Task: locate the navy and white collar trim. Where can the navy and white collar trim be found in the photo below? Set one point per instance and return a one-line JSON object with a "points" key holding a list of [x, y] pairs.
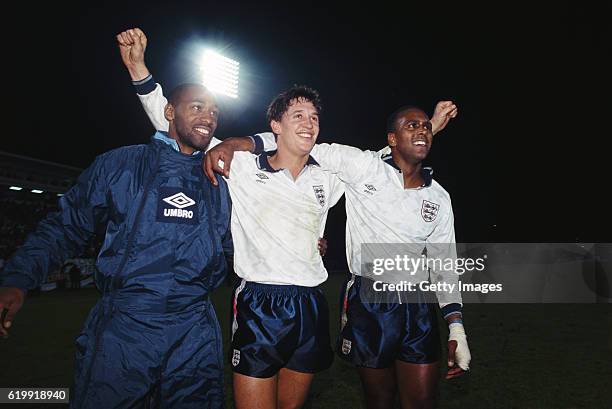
{"points": [[388, 159], [426, 171], [263, 162], [162, 136]]}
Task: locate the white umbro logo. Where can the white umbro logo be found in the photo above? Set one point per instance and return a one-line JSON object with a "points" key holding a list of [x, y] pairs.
{"points": [[179, 200], [182, 209]]}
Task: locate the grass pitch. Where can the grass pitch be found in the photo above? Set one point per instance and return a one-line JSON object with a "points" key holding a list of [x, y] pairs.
{"points": [[556, 356]]}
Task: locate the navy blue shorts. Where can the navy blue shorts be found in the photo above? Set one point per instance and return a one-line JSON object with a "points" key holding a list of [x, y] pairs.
{"points": [[279, 326], [375, 334]]}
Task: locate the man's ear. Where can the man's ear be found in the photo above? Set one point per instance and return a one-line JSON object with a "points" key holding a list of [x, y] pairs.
{"points": [[169, 112], [391, 141], [276, 127]]}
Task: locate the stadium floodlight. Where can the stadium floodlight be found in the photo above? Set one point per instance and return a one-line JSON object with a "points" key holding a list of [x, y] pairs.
{"points": [[220, 74], [60, 194], [15, 188], [36, 191]]}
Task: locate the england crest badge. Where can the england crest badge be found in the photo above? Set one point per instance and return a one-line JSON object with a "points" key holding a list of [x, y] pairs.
{"points": [[346, 346], [236, 357], [320, 194], [429, 210]]}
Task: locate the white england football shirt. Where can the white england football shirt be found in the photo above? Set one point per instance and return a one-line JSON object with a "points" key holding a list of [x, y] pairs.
{"points": [[276, 220], [380, 210]]}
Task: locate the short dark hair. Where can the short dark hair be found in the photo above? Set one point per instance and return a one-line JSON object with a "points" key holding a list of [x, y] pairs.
{"points": [[280, 104], [392, 119], [177, 92]]}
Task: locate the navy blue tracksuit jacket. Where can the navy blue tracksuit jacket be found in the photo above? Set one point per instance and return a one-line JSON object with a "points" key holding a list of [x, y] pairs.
{"points": [[153, 339]]}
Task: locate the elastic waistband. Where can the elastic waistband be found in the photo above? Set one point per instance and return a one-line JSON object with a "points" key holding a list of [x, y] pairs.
{"points": [[133, 304], [369, 281], [280, 289]]}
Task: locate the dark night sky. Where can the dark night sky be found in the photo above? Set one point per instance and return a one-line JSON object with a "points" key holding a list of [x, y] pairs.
{"points": [[526, 152]]}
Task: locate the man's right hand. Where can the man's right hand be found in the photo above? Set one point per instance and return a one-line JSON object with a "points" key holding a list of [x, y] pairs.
{"points": [[132, 46], [224, 152], [11, 300]]}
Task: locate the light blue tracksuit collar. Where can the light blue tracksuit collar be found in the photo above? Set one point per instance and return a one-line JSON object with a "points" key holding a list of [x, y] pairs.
{"points": [[163, 136]]}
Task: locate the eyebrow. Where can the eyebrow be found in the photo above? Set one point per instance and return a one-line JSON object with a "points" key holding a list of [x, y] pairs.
{"points": [[410, 121], [303, 110], [201, 101]]}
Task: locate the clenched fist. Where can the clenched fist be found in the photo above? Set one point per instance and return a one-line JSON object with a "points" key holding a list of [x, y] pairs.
{"points": [[132, 46]]}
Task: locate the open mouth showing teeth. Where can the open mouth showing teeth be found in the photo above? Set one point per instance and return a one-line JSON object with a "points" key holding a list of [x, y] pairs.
{"points": [[419, 143], [203, 131], [305, 135]]}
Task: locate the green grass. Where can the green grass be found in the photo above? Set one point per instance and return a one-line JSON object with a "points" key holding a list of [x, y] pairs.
{"points": [[556, 356]]}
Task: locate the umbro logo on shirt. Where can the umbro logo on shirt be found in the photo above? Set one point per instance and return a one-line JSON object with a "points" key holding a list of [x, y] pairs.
{"points": [[262, 177], [370, 189], [175, 206]]}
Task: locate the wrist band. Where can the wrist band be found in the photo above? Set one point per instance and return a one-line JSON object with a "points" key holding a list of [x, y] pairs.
{"points": [[142, 81]]}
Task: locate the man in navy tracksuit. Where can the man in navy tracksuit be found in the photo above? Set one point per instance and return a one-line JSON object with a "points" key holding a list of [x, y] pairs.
{"points": [[152, 340]]}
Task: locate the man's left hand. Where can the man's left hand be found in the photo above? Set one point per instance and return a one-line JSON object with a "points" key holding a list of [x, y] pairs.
{"points": [[444, 112], [459, 356]]}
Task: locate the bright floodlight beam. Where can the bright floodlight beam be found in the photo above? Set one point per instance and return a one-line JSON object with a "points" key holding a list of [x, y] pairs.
{"points": [[220, 74]]}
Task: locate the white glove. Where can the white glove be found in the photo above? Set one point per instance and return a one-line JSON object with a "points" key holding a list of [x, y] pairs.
{"points": [[456, 332]]}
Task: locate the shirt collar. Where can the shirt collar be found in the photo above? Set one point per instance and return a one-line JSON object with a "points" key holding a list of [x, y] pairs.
{"points": [[426, 171], [163, 137], [263, 162]]}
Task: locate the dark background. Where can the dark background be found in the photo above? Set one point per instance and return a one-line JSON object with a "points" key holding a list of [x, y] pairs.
{"points": [[525, 161], [528, 153]]}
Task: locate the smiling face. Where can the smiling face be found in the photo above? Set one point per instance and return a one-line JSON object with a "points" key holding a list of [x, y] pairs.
{"points": [[192, 113], [412, 135], [298, 128]]}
